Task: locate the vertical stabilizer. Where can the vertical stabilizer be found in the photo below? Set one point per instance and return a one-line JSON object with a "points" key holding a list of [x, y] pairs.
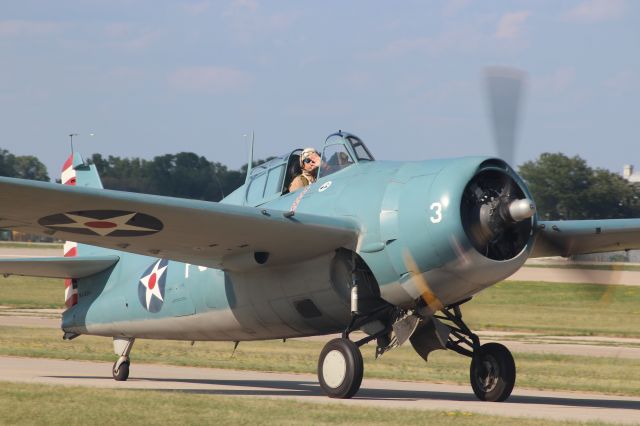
{"points": [[78, 173]]}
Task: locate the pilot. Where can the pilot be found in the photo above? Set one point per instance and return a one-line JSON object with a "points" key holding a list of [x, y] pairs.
{"points": [[309, 163]]}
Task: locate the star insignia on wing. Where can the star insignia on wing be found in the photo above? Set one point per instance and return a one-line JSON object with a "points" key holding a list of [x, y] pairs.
{"points": [[105, 223], [103, 227]]}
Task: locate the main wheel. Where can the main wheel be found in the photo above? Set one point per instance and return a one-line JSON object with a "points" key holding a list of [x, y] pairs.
{"points": [[340, 368], [122, 373], [493, 373]]}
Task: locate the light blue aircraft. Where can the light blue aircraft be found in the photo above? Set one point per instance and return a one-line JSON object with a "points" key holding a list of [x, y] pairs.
{"points": [[389, 248]]}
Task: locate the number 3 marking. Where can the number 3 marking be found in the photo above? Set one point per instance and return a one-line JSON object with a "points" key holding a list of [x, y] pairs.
{"points": [[437, 207]]}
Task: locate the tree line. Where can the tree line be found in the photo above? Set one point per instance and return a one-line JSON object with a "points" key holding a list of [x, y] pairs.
{"points": [[562, 187], [568, 188], [22, 166], [184, 175]]}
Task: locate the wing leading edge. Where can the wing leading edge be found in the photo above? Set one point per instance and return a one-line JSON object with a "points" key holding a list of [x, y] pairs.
{"points": [[191, 231], [569, 237]]}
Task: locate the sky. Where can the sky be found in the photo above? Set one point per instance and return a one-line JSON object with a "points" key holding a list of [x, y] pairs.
{"points": [[140, 78]]}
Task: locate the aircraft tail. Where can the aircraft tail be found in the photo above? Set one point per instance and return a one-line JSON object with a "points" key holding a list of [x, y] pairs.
{"points": [[76, 172]]}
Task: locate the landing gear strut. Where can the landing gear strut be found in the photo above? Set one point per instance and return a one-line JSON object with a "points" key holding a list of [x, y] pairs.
{"points": [[340, 367], [493, 371]]}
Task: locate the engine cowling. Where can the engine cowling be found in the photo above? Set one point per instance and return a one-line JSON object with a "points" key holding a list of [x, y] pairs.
{"points": [[464, 226]]}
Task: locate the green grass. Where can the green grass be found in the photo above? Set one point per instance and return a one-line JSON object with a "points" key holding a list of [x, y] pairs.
{"points": [[557, 308], [557, 372], [30, 292], [56, 405]]}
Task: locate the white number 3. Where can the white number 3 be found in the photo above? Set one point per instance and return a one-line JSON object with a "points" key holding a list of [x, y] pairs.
{"points": [[437, 209]]}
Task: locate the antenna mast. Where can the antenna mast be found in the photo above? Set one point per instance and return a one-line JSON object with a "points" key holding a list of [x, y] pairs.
{"points": [[71, 135], [250, 163]]}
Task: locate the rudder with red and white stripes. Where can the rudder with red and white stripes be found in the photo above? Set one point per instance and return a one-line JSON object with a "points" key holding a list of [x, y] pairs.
{"points": [[75, 172]]}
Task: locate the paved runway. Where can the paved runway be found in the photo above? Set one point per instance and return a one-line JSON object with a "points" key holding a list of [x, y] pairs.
{"points": [[575, 275], [304, 387]]}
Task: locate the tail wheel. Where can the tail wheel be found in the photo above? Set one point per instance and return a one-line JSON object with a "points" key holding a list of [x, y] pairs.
{"points": [[121, 373], [493, 373], [340, 368]]}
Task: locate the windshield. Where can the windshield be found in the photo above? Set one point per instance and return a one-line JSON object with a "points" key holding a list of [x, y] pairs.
{"points": [[361, 151], [334, 158]]}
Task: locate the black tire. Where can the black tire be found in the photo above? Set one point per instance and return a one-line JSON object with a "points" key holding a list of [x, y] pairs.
{"points": [[335, 381], [493, 373], [122, 374]]}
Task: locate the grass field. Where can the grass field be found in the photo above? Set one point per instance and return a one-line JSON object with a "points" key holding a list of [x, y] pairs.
{"points": [[30, 292], [557, 372], [22, 404], [557, 308]]}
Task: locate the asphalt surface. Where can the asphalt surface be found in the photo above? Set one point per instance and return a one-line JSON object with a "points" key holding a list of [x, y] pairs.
{"points": [[37, 251], [304, 387], [576, 275]]}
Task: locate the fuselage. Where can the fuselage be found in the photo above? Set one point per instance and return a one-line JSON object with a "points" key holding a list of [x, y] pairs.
{"points": [[408, 213]]}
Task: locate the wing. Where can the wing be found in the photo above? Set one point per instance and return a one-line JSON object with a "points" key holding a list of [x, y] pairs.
{"points": [[191, 231], [57, 267], [568, 237]]}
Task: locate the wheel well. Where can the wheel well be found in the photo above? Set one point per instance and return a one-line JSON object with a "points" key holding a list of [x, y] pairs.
{"points": [[348, 265]]}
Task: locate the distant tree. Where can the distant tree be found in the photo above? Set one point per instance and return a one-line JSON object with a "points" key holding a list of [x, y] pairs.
{"points": [[567, 188], [123, 174], [611, 196], [24, 167], [29, 167], [186, 175], [7, 161]]}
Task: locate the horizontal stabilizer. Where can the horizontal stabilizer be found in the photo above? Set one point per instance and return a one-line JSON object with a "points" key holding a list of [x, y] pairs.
{"points": [[57, 267]]}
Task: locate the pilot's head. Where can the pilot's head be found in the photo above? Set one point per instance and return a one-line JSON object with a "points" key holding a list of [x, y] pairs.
{"points": [[309, 159]]}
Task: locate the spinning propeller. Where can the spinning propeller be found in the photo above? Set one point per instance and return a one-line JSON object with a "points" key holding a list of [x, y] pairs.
{"points": [[505, 87], [500, 207], [495, 211]]}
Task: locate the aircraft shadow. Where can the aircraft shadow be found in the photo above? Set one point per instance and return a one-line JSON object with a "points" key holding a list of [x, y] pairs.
{"points": [[312, 388]]}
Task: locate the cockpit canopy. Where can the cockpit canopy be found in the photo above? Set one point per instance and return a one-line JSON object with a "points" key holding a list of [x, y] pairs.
{"points": [[271, 179]]}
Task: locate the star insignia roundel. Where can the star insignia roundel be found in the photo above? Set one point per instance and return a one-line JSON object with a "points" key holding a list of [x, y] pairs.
{"points": [[103, 223], [151, 285]]}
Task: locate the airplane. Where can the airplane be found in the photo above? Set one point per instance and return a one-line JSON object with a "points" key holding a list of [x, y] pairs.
{"points": [[393, 249]]}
